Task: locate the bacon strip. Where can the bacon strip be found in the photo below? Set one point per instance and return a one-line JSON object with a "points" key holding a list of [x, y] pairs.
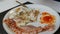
{"points": [[29, 29]]}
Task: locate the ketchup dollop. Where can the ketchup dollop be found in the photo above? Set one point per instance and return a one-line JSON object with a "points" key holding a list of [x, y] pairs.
{"points": [[47, 18]]}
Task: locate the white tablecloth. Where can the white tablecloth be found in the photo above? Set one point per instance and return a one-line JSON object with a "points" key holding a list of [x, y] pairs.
{"points": [[6, 4]]}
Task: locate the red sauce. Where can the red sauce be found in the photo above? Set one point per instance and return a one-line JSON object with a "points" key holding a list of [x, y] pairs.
{"points": [[47, 19]]}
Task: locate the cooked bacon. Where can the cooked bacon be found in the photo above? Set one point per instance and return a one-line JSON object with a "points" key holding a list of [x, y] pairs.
{"points": [[12, 24], [39, 29], [49, 27], [28, 29]]}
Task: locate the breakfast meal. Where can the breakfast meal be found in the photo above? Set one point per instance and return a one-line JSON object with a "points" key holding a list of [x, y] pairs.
{"points": [[23, 21]]}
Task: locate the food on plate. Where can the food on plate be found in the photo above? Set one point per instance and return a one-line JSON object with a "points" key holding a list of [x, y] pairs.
{"points": [[28, 29], [49, 28], [45, 13], [18, 20], [24, 29], [47, 18], [23, 15]]}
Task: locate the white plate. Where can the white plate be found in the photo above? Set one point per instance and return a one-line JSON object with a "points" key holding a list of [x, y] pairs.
{"points": [[42, 8]]}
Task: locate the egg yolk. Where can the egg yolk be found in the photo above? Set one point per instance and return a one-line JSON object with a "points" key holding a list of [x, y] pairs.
{"points": [[47, 19]]}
